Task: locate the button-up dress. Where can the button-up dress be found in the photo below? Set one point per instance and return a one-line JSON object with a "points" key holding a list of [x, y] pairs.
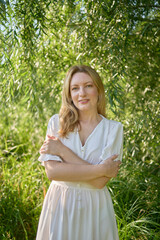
{"points": [[76, 210]]}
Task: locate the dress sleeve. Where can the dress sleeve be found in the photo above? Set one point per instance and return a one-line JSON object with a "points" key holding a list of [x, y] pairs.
{"points": [[114, 142], [52, 130]]}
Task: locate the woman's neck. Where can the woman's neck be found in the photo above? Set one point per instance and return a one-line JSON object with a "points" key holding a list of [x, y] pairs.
{"points": [[88, 117]]}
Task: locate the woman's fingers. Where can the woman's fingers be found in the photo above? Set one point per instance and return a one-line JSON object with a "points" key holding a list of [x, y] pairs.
{"points": [[51, 137], [46, 147], [118, 163], [113, 157], [42, 150], [112, 166], [51, 145]]}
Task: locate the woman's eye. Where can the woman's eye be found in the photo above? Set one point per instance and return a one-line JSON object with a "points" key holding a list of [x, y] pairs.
{"points": [[89, 85], [75, 88]]}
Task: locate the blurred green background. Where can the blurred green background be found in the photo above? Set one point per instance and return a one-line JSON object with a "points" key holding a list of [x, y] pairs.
{"points": [[39, 41]]}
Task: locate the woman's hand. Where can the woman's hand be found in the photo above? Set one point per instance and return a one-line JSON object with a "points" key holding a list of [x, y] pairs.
{"points": [[51, 146], [111, 167]]}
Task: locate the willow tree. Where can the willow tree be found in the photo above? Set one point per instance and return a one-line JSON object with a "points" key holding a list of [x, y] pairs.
{"points": [[41, 39]]}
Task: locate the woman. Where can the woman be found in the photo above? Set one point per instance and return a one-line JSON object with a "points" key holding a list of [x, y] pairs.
{"points": [[81, 153]]}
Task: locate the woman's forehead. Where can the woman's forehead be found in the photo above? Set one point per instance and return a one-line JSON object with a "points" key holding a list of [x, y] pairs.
{"points": [[80, 78]]}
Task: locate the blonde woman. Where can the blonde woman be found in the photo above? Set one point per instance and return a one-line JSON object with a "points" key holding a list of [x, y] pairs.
{"points": [[81, 153]]}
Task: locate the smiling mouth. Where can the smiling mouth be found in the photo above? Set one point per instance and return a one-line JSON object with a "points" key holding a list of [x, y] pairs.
{"points": [[83, 101]]}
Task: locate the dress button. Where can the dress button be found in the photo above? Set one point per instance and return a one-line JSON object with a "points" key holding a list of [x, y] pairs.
{"points": [[82, 149]]}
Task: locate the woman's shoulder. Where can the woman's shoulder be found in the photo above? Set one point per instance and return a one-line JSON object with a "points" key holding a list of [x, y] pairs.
{"points": [[54, 118], [111, 122], [54, 121], [113, 127]]}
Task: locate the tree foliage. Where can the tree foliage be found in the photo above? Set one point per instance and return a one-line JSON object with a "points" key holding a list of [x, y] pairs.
{"points": [[40, 40]]}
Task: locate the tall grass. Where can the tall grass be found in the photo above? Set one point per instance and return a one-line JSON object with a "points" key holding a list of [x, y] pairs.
{"points": [[21, 177], [24, 184]]}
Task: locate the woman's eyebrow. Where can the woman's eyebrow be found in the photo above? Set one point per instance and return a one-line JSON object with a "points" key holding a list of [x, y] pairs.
{"points": [[78, 84], [88, 82]]}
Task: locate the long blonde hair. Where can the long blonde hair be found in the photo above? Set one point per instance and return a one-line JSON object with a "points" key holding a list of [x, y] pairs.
{"points": [[68, 115]]}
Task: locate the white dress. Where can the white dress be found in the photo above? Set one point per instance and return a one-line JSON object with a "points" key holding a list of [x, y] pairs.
{"points": [[75, 210]]}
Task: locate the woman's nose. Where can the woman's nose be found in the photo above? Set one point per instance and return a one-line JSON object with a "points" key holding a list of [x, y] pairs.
{"points": [[82, 91]]}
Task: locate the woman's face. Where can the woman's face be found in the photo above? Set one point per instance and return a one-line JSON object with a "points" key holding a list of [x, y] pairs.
{"points": [[83, 91]]}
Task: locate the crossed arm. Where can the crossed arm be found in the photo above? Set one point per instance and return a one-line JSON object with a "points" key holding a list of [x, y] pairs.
{"points": [[75, 169]]}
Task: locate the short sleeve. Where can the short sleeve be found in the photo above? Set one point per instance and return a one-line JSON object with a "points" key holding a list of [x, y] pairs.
{"points": [[52, 130], [114, 142]]}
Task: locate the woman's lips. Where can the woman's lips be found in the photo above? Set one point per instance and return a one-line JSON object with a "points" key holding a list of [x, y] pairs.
{"points": [[83, 101]]}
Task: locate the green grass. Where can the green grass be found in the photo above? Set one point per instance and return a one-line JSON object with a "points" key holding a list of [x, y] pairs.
{"points": [[24, 183]]}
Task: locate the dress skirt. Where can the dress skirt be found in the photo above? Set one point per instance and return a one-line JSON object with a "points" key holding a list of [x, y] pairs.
{"points": [[76, 211]]}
